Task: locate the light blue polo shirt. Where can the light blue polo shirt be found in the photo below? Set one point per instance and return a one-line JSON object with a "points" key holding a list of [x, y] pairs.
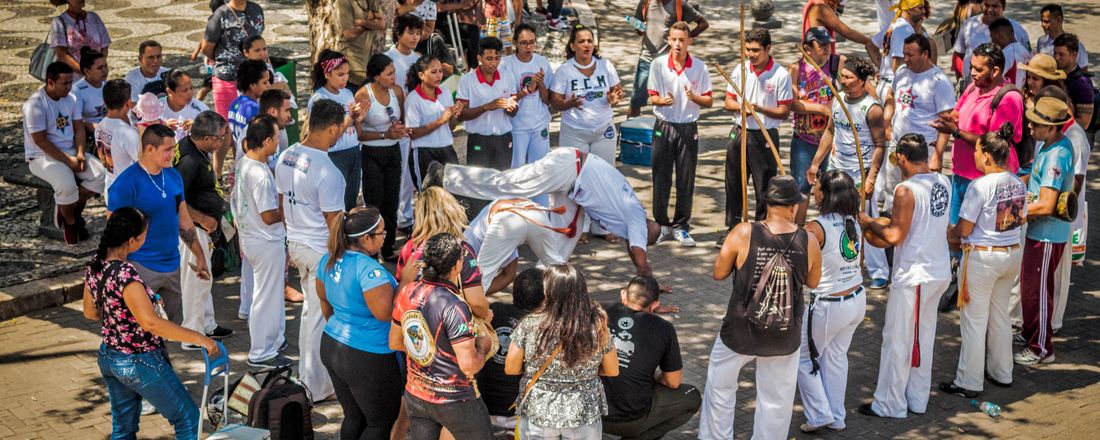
{"points": [[352, 323]]}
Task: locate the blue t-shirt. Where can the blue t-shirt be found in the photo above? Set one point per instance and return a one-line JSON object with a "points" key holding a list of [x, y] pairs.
{"points": [[1052, 168], [352, 323], [137, 189], [241, 110]]}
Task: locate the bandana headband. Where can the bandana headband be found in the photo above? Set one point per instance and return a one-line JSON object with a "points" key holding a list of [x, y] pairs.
{"points": [[327, 66]]}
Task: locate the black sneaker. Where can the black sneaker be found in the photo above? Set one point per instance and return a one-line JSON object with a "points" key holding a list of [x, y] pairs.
{"points": [[82, 232], [867, 410], [277, 361], [283, 347], [433, 176], [220, 333], [996, 382], [951, 388]]}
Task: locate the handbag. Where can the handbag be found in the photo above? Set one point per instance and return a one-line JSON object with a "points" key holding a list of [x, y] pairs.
{"points": [[531, 384], [480, 325], [43, 55]]}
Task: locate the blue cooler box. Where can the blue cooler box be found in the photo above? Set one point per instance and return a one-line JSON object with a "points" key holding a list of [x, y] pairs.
{"points": [[636, 141]]}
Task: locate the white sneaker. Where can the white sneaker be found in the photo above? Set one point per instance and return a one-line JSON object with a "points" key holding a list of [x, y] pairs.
{"points": [[683, 237], [1029, 358], [147, 408], [666, 234], [557, 25]]}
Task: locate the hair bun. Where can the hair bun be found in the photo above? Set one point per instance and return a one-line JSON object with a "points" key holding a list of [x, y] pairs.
{"points": [[1006, 131]]}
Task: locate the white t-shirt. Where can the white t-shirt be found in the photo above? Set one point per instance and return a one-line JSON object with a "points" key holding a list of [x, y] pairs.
{"points": [[1081, 151], [118, 146], [665, 79], [997, 205], [309, 183], [186, 113], [41, 113], [474, 88], [974, 33], [1015, 56], [610, 201], [350, 139], [421, 111], [595, 113], [770, 88], [883, 13], [401, 64], [533, 114], [899, 31], [138, 81], [1046, 45], [254, 192], [919, 98], [90, 101], [843, 156]]}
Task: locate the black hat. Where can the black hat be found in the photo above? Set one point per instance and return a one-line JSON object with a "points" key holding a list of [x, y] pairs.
{"points": [[783, 191]]}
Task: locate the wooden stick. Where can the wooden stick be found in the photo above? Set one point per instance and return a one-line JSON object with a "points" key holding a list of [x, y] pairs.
{"points": [[851, 122], [744, 139], [756, 117]]}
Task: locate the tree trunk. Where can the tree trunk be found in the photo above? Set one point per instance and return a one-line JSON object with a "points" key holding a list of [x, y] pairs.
{"points": [[323, 31]]}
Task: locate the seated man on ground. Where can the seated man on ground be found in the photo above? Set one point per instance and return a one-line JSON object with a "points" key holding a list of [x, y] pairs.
{"points": [[499, 390], [646, 399]]}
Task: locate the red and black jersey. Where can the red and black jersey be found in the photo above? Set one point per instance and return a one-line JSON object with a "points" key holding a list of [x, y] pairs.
{"points": [[432, 318], [471, 273]]}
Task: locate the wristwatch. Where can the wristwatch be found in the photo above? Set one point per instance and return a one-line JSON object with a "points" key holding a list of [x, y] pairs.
{"points": [[957, 134]]}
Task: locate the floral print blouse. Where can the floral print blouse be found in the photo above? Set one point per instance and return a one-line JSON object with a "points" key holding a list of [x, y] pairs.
{"points": [[563, 397], [121, 331]]}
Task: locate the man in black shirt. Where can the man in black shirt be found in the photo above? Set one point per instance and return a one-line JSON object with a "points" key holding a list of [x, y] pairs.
{"points": [[205, 204], [499, 390], [644, 404]]}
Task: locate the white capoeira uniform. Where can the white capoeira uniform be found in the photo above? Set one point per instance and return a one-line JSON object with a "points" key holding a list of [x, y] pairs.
{"points": [[920, 278], [830, 323], [601, 190], [502, 226]]}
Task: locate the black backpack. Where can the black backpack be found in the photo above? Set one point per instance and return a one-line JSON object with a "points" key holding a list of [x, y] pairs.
{"points": [[771, 308], [282, 406]]}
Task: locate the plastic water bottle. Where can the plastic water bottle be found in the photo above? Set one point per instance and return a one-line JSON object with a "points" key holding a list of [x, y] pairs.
{"points": [[636, 23], [989, 408]]}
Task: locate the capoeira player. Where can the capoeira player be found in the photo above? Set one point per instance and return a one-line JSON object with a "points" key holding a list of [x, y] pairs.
{"points": [[567, 174], [918, 230]]}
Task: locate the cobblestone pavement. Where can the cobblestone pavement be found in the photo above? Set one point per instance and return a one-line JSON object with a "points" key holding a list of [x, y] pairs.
{"points": [[50, 386]]}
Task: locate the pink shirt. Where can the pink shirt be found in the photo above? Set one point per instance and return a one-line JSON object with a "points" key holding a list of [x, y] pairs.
{"points": [[976, 116]]}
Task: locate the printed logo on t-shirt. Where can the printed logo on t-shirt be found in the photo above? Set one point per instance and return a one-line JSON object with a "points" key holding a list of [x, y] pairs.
{"points": [[940, 197], [609, 133], [297, 161], [103, 138], [586, 86], [504, 334], [849, 249], [62, 121], [1011, 199], [906, 98], [418, 340], [624, 343]]}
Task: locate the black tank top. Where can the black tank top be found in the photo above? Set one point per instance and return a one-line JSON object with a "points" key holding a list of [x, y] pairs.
{"points": [[737, 333]]}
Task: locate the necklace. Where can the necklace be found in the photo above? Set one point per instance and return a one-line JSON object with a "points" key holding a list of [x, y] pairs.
{"points": [[589, 66], [163, 194]]}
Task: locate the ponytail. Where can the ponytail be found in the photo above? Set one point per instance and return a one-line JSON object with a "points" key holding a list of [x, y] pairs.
{"points": [[348, 228], [125, 224], [850, 230], [412, 78]]}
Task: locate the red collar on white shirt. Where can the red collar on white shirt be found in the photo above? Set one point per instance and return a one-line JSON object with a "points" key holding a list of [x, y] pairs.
{"points": [[420, 91], [481, 77], [672, 66], [771, 63]]}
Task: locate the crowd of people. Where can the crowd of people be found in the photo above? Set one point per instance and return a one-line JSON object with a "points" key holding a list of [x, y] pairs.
{"points": [[438, 347]]}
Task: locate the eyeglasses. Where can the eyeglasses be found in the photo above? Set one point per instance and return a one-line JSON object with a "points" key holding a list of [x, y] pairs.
{"points": [[375, 234], [526, 42]]}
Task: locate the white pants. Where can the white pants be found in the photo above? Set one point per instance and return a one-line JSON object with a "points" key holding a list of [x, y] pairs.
{"points": [[405, 199], [529, 146], [508, 230], [901, 385], [311, 371], [198, 303], [1062, 274], [834, 323], [532, 431], [63, 180], [266, 314], [1015, 312], [985, 327], [874, 258], [555, 173], [776, 377], [601, 142]]}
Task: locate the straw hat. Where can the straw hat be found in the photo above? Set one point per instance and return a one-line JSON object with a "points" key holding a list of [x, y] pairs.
{"points": [[1043, 65], [1049, 111]]}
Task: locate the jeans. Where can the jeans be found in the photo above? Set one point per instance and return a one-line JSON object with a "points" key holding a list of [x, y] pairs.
{"points": [[382, 186], [640, 94], [802, 155], [368, 386], [351, 167], [133, 377], [466, 419]]}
